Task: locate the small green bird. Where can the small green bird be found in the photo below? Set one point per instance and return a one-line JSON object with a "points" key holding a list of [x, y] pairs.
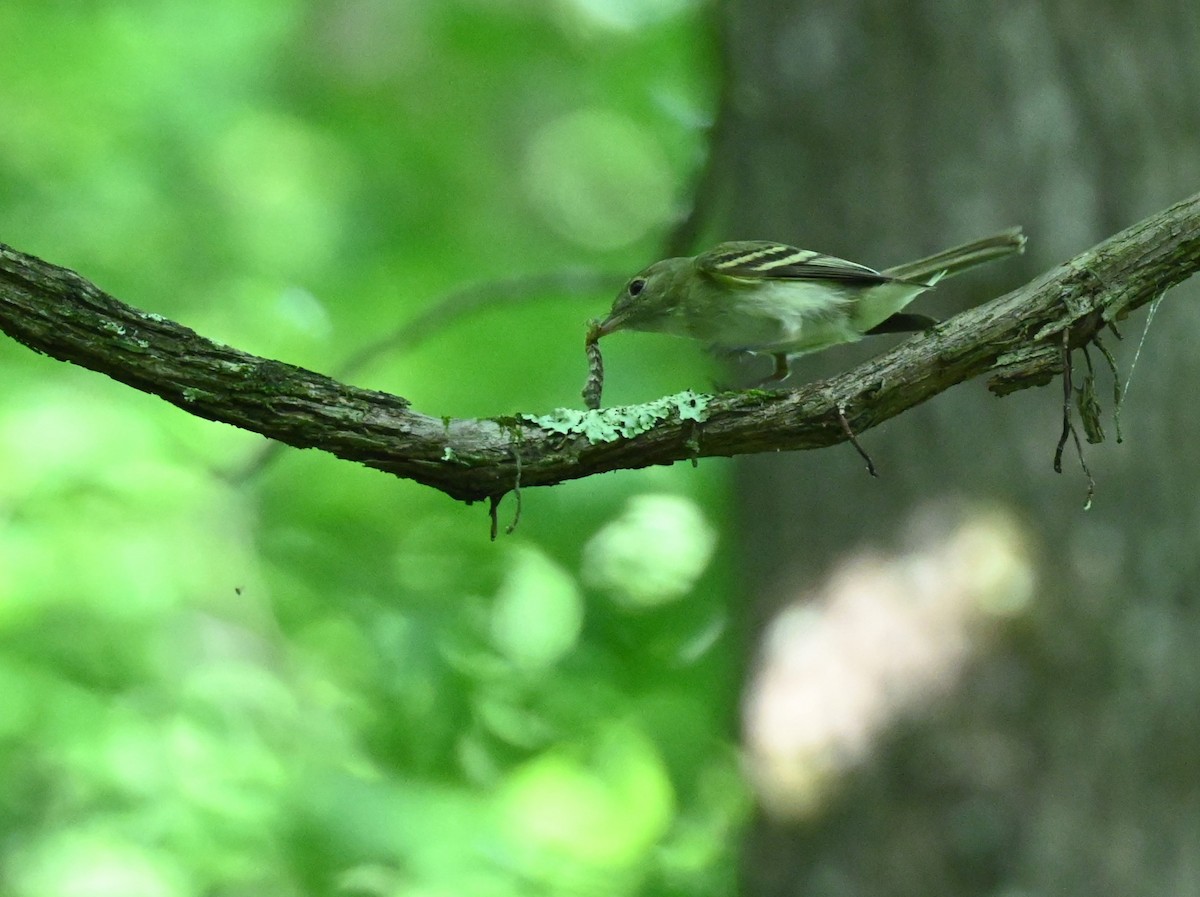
{"points": [[774, 299]]}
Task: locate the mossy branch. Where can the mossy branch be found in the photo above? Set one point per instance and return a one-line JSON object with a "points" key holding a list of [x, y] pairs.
{"points": [[1016, 339]]}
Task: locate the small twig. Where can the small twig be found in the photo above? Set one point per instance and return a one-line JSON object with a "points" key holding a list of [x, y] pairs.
{"points": [[1118, 391], [693, 443], [1154, 303], [849, 431], [1088, 404], [1069, 425], [473, 299], [493, 504], [1087, 359], [1068, 391], [1091, 481], [512, 527]]}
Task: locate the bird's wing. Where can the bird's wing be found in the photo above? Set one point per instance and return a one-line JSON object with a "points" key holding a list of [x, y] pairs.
{"points": [[758, 259]]}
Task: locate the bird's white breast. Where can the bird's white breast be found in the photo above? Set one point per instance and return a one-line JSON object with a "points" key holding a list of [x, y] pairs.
{"points": [[785, 316]]}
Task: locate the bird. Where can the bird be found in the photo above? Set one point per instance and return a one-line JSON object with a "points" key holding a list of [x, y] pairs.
{"points": [[774, 299]]}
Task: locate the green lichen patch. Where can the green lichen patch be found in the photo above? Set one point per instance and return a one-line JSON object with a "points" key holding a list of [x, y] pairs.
{"points": [[623, 421]]}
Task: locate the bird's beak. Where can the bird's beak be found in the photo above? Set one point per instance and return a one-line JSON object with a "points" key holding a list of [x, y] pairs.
{"points": [[609, 325]]}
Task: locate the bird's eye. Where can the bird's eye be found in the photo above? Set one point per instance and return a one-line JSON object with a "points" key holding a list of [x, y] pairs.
{"points": [[636, 286]]}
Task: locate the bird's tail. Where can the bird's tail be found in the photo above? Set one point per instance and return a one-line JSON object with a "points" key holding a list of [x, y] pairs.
{"points": [[951, 261]]}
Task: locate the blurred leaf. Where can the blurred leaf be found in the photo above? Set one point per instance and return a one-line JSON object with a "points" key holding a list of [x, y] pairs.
{"points": [[606, 806], [652, 554], [538, 611]]}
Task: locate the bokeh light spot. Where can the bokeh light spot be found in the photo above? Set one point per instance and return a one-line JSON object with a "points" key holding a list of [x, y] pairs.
{"points": [[652, 554], [598, 179]]}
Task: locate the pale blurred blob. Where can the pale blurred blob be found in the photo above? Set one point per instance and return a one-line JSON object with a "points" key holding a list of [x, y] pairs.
{"points": [[370, 41], [652, 554], [99, 517], [598, 179], [624, 15], [97, 864], [605, 803], [303, 312], [538, 611], [881, 639], [283, 185]]}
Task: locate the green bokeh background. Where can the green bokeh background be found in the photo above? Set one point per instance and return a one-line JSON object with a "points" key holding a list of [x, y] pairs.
{"points": [[316, 679]]}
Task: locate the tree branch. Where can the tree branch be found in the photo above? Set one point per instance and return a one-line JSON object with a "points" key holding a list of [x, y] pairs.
{"points": [[1016, 338], [458, 304]]}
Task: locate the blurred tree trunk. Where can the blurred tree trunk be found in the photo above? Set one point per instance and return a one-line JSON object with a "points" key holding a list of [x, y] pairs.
{"points": [[880, 130]]}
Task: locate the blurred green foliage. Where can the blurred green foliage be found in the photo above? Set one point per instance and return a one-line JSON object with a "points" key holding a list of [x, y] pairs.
{"points": [[320, 680]]}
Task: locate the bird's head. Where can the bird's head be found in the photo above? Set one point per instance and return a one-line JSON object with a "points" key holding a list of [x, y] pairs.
{"points": [[650, 300]]}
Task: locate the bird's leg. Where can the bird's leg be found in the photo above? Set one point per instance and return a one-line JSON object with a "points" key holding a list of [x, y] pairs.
{"points": [[780, 372], [778, 375]]}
